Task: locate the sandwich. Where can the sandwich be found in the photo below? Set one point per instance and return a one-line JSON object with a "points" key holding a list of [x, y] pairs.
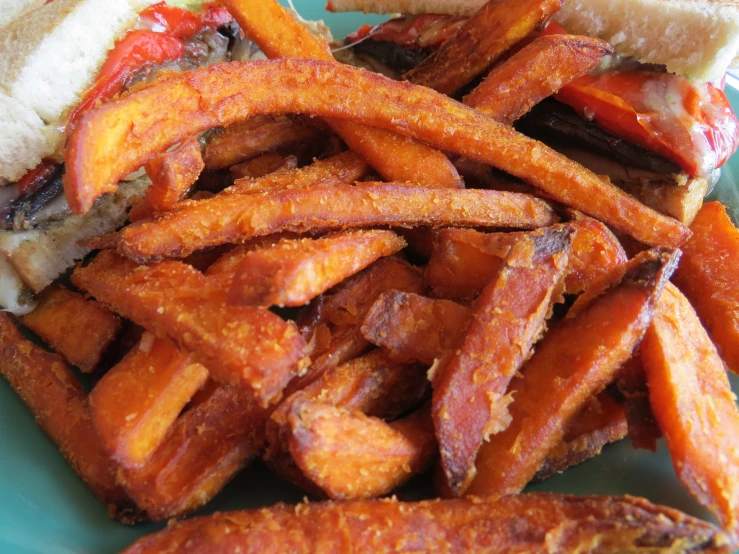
{"points": [[653, 117], [58, 59]]}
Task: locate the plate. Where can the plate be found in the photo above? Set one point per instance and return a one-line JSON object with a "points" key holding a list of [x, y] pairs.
{"points": [[45, 508]]}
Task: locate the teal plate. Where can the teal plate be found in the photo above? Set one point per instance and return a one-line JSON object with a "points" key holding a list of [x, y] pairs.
{"points": [[45, 508]]}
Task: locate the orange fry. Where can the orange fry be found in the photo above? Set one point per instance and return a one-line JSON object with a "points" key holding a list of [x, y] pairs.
{"points": [[241, 345], [534, 73], [173, 173], [413, 328], [692, 400], [470, 401], [137, 401], [294, 271], [280, 35], [601, 422], [81, 344], [521, 523], [247, 139], [240, 217], [708, 276], [207, 446], [60, 407], [94, 165], [351, 456], [481, 41], [578, 358], [342, 169], [263, 165], [371, 384]]}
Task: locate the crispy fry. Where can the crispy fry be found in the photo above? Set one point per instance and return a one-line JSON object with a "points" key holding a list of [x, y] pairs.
{"points": [[294, 271], [131, 136], [371, 384], [60, 407], [207, 446], [351, 456], [246, 346], [481, 41], [595, 251], [536, 523], [601, 422], [137, 401], [173, 173], [692, 400], [707, 275], [240, 217], [280, 35], [470, 401], [534, 73], [576, 359], [81, 344], [263, 165], [413, 328], [464, 261], [247, 139]]}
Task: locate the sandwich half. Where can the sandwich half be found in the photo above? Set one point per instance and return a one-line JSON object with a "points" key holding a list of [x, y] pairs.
{"points": [[56, 61]]}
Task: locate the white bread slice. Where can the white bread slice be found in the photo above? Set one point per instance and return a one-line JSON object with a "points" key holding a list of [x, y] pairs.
{"points": [[24, 138], [13, 9], [695, 38], [51, 56], [39, 256]]}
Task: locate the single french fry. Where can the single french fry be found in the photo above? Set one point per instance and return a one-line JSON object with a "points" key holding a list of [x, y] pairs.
{"points": [[94, 165], [601, 422], [413, 328], [350, 456], [247, 139], [578, 358], [173, 173], [240, 217], [342, 169], [371, 384], [280, 35], [534, 73], [245, 346], [294, 271], [137, 401], [331, 324], [60, 407], [480, 42], [263, 165], [692, 400], [707, 276], [595, 252], [81, 344], [469, 401], [464, 260], [206, 447], [522, 523]]}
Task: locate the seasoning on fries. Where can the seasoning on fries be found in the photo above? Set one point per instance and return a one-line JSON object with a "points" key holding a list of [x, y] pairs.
{"points": [[577, 359], [526, 522], [294, 271], [242, 345]]}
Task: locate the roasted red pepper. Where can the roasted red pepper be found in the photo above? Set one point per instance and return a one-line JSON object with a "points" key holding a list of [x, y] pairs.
{"points": [[175, 22], [37, 177]]}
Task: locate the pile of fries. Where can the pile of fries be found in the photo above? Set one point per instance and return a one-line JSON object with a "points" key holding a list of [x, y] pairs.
{"points": [[326, 294]]}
